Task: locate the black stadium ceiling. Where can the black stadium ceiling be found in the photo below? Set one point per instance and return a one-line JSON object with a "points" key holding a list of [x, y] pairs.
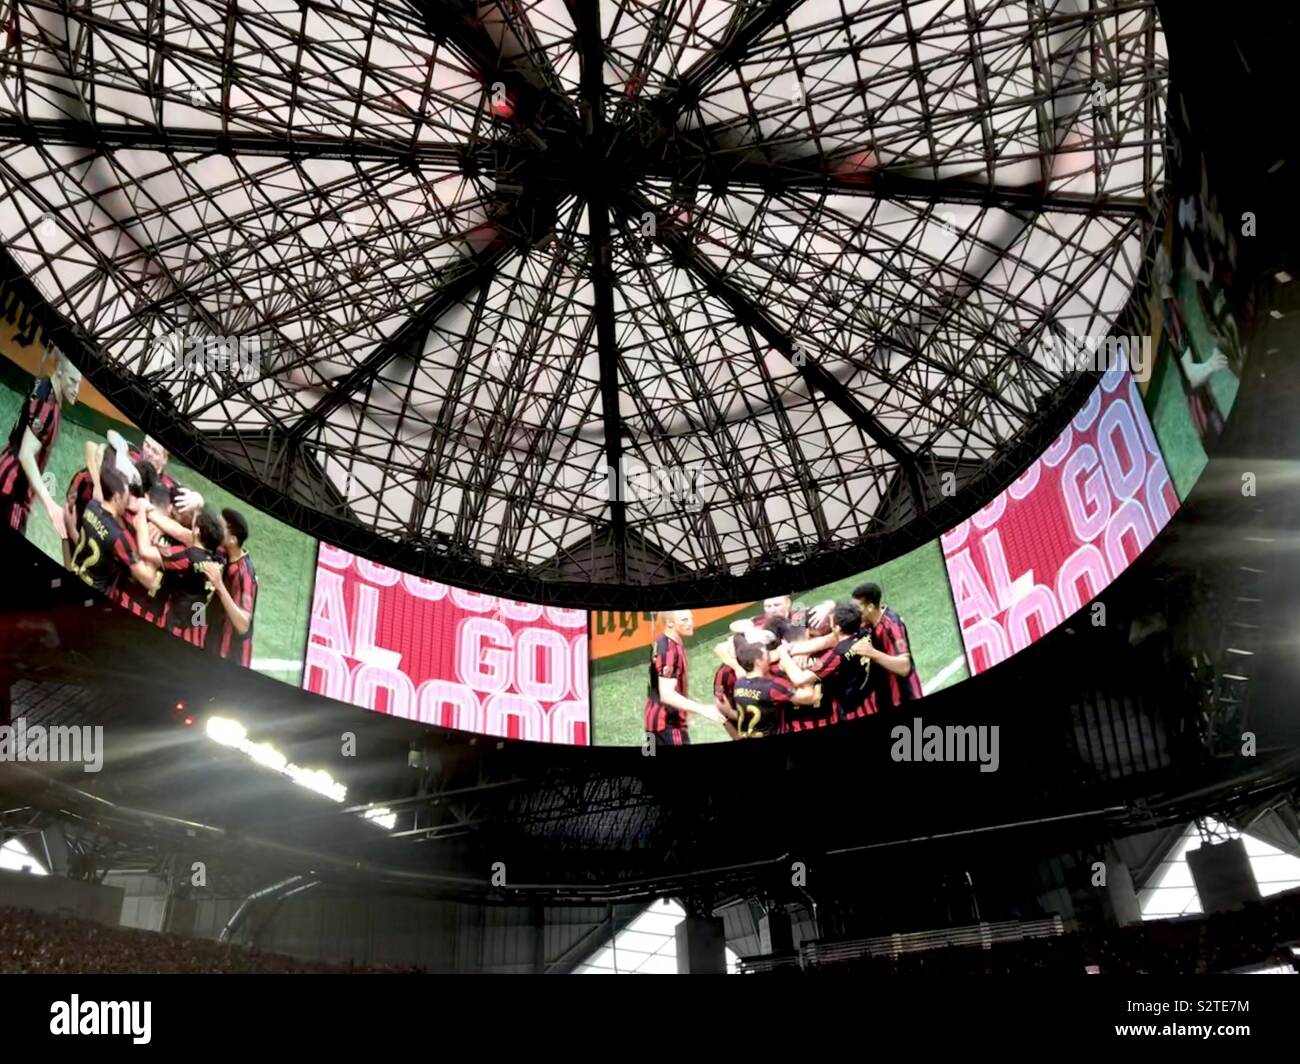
{"points": [[785, 265]]}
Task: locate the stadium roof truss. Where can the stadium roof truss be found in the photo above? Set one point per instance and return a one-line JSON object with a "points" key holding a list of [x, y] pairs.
{"points": [[418, 275]]}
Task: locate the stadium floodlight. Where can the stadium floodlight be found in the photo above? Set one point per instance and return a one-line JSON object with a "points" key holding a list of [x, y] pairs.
{"points": [[268, 755], [381, 815], [318, 780], [225, 731], [231, 733]]}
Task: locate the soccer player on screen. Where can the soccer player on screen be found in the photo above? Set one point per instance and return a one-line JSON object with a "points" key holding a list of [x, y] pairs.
{"points": [[762, 699], [178, 522], [724, 684], [105, 557], [185, 583], [24, 458], [894, 679], [156, 455], [148, 603], [235, 584], [81, 488], [844, 670], [667, 702], [776, 607]]}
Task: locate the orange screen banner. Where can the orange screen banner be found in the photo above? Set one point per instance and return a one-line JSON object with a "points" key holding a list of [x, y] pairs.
{"points": [[616, 631], [22, 341]]}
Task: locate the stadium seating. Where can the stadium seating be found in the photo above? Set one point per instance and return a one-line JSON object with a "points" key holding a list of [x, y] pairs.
{"points": [[33, 942]]}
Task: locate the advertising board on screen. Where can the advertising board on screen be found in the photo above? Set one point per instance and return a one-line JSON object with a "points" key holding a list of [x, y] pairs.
{"points": [[1055, 538], [415, 648]]}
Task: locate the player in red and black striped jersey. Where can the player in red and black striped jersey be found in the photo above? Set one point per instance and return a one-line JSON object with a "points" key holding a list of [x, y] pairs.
{"points": [[156, 455], [148, 603], [24, 457], [81, 488], [230, 634], [667, 703], [763, 700], [843, 669], [724, 688], [105, 557], [777, 637], [777, 607], [893, 679], [185, 583]]}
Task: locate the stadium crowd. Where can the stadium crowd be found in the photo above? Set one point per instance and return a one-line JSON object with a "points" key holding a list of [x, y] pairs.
{"points": [[34, 942]]}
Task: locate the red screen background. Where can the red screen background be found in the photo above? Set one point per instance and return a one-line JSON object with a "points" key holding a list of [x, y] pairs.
{"points": [[1073, 522], [418, 649]]}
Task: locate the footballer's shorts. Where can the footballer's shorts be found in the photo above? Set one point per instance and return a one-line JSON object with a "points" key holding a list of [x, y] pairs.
{"points": [[196, 637], [673, 737], [809, 723]]}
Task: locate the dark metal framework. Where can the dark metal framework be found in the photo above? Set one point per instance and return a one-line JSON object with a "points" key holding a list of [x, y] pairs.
{"points": [[519, 292]]}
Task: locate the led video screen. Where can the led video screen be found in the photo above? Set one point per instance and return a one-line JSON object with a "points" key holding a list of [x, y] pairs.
{"points": [[895, 640], [394, 643], [955, 607], [246, 602], [1196, 307], [363, 633], [1060, 533], [623, 644], [418, 649]]}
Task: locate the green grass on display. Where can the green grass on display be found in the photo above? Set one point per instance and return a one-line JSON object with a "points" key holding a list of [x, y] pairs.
{"points": [[1224, 384], [1180, 443], [1167, 404], [915, 585], [285, 559]]}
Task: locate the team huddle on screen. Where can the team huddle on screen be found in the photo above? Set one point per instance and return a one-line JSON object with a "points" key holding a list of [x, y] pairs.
{"points": [[130, 531], [788, 670]]}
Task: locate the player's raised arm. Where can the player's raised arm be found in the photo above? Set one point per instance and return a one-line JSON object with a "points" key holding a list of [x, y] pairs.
{"points": [[797, 676], [726, 653], [144, 542], [240, 619], [898, 664], [173, 528], [144, 573], [93, 453], [815, 644], [807, 695]]}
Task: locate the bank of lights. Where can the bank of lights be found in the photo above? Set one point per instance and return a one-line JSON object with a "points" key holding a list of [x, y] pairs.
{"points": [[383, 816], [231, 733]]}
